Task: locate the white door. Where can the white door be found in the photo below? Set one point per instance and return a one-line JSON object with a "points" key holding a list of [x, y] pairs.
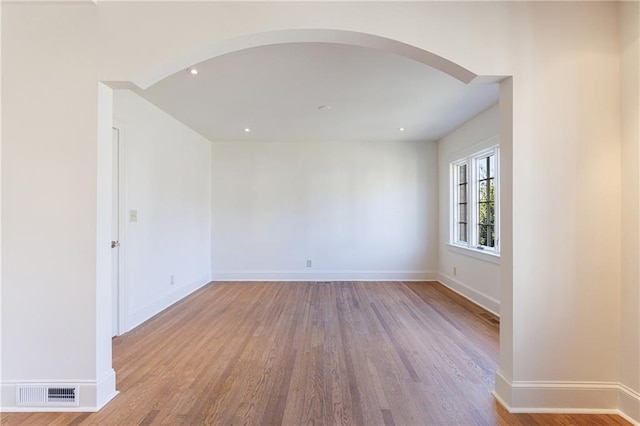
{"points": [[115, 236]]}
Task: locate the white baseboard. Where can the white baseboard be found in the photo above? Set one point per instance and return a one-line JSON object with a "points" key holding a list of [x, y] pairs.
{"points": [[323, 275], [93, 394], [483, 300], [629, 404], [502, 390], [565, 397], [106, 389], [141, 315]]}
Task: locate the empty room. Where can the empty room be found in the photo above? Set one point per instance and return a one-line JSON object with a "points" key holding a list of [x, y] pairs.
{"points": [[320, 212]]}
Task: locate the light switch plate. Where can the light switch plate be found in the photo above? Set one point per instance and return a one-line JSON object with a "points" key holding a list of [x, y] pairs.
{"points": [[133, 215]]}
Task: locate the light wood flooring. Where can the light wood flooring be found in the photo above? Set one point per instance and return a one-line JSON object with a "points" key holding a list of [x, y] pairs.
{"points": [[363, 353]]}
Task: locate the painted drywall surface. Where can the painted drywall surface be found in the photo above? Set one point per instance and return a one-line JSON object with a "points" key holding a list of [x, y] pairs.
{"points": [[475, 278], [564, 58], [566, 181], [105, 374], [504, 377], [49, 192], [168, 174], [630, 291], [355, 208], [1, 328]]}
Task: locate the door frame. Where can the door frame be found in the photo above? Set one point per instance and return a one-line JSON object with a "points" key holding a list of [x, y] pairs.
{"points": [[122, 191]]}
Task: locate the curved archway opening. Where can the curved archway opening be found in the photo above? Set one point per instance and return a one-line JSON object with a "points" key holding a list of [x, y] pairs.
{"points": [[220, 48], [223, 47]]}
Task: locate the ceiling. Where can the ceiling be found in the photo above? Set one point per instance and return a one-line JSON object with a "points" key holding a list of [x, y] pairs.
{"points": [[318, 92]]}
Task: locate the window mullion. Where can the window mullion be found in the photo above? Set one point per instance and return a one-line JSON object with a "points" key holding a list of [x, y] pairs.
{"points": [[473, 212]]}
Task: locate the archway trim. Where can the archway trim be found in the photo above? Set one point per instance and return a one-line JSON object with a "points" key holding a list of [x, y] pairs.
{"points": [[352, 38]]}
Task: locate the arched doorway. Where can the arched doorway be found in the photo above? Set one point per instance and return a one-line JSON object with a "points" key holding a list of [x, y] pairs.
{"points": [[218, 48]]}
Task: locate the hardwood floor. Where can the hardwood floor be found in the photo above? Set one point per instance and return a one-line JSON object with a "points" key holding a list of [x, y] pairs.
{"points": [[298, 353]]}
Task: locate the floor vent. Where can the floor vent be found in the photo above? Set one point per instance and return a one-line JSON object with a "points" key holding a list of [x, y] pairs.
{"points": [[47, 395], [324, 282]]}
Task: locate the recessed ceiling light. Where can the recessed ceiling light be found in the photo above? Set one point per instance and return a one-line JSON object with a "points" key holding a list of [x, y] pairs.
{"points": [[247, 130], [324, 107], [401, 129], [192, 71]]}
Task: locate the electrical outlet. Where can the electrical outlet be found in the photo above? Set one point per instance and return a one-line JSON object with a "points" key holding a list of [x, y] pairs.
{"points": [[309, 263], [172, 279], [455, 271]]}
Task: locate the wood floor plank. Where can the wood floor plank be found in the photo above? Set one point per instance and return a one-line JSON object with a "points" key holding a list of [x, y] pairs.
{"points": [[340, 353]]}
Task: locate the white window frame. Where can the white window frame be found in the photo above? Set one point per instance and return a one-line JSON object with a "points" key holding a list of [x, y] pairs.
{"points": [[472, 242], [455, 195]]}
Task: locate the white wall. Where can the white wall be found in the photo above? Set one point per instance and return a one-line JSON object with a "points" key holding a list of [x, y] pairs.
{"points": [[566, 151], [1, 318], [565, 61], [358, 210], [477, 277], [106, 377], [168, 180], [49, 219], [630, 291]]}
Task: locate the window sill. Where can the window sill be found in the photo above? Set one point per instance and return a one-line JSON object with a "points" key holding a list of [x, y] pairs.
{"points": [[478, 254]]}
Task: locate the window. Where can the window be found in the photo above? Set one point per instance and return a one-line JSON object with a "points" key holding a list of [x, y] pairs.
{"points": [[475, 196], [462, 207]]}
